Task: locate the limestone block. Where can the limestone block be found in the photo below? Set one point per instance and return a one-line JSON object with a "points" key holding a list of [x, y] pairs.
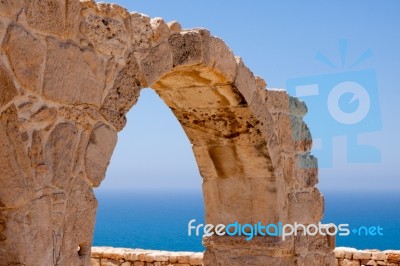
{"points": [[237, 251], [174, 26], [26, 55], [157, 63], [347, 262], [160, 29], [278, 101], [16, 241], [371, 263], [202, 97], [16, 186], [339, 254], [58, 17], [305, 170], [361, 255], [382, 263], [160, 256], [95, 262], [190, 76], [316, 259], [231, 206], [78, 231], [300, 133], [109, 262], [292, 132], [307, 244], [306, 207], [217, 55], [98, 153], [117, 119], [297, 107], [60, 153], [393, 257], [186, 48], [379, 256], [240, 198], [229, 161], [108, 35], [72, 75], [125, 92], [7, 87], [245, 81], [10, 8], [183, 257], [196, 259], [141, 31]]}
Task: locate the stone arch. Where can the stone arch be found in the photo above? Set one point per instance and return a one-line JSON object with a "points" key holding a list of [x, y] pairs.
{"points": [[71, 70]]}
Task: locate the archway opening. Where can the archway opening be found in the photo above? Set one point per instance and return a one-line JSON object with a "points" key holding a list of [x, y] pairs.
{"points": [[153, 186]]}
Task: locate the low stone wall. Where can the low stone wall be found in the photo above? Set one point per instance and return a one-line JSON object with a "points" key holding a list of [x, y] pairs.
{"points": [[108, 256], [354, 257]]}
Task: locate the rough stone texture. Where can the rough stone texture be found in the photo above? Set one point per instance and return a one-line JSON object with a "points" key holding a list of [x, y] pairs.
{"points": [[70, 71], [72, 75], [8, 90], [101, 145], [26, 56], [58, 17]]}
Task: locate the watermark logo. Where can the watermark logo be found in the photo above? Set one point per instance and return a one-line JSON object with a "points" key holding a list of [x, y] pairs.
{"points": [[344, 103], [280, 230]]}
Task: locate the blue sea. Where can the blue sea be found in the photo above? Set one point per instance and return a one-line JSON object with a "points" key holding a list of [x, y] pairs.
{"points": [[159, 219]]}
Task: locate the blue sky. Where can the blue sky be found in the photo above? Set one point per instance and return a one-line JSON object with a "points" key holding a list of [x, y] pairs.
{"points": [[279, 41]]}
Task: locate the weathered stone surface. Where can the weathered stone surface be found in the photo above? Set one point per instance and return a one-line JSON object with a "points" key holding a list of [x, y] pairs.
{"points": [[362, 255], [219, 126], [245, 81], [347, 262], [98, 153], [7, 87], [107, 34], [15, 175], [78, 234], [60, 154], [72, 75], [11, 7], [160, 30], [141, 31], [202, 97], [125, 92], [311, 201], [69, 73], [157, 63], [186, 48], [217, 55], [174, 26], [26, 55], [393, 257], [56, 17]]}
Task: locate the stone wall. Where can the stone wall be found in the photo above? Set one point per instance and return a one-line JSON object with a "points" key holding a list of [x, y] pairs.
{"points": [[108, 256], [354, 257]]}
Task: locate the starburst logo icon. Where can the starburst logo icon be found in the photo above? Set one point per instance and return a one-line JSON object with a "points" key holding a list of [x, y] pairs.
{"points": [[343, 103]]}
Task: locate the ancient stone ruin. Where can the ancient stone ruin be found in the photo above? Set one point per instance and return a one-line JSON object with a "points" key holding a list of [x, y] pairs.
{"points": [[69, 72]]}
